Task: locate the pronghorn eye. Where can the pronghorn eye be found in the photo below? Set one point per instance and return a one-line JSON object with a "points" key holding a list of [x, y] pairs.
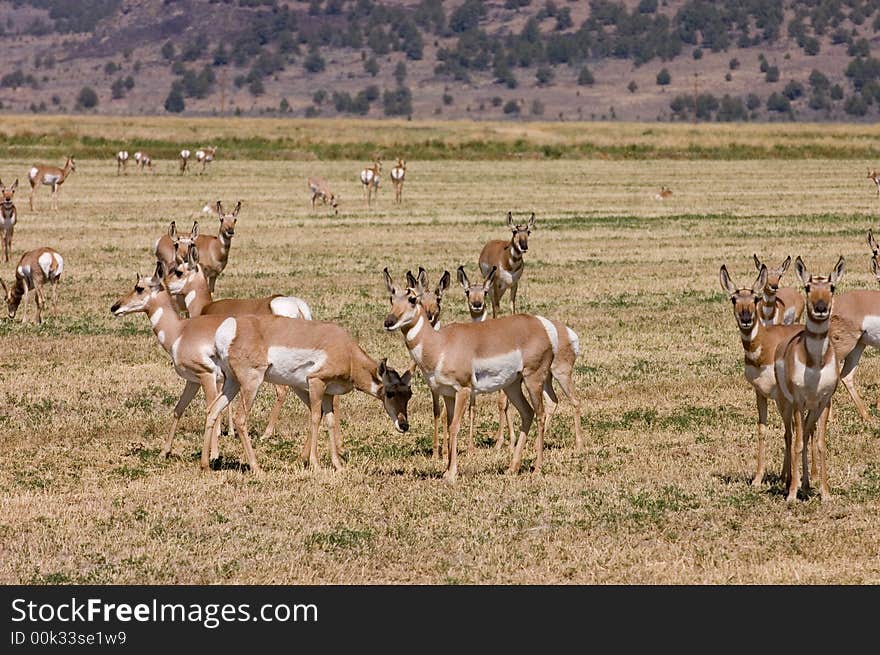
{"points": [[178, 273], [139, 289], [412, 300], [832, 288], [389, 394], [807, 288]]}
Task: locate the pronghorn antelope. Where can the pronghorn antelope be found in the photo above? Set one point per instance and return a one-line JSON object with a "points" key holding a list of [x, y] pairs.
{"points": [[664, 193], [205, 156], [50, 176], [320, 189], [183, 157], [121, 162], [779, 306], [508, 257], [190, 344], [8, 215], [398, 173], [760, 341], [143, 161], [35, 269], [319, 360], [186, 280], [465, 358], [169, 246], [370, 180], [214, 250], [807, 373], [874, 176]]}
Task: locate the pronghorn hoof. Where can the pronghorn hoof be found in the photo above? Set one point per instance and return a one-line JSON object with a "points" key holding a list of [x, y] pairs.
{"points": [[449, 477]]}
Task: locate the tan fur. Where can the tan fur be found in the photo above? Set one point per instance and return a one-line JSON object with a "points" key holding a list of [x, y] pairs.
{"points": [[205, 156], [664, 193], [321, 190], [507, 256], [183, 160], [398, 174], [143, 161], [8, 216], [874, 176], [40, 178], [122, 162], [370, 180], [29, 276], [779, 305], [214, 250]]}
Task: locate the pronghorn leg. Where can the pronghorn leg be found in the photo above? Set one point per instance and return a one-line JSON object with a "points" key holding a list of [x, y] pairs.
{"points": [[460, 404], [535, 387], [848, 377], [761, 402], [785, 414], [821, 426], [328, 405], [563, 376], [513, 288], [24, 303], [38, 301], [551, 402], [809, 447], [215, 435], [471, 403], [449, 402], [215, 409], [31, 197], [526, 414], [796, 450], [250, 385], [436, 409], [316, 396], [280, 397], [189, 392]]}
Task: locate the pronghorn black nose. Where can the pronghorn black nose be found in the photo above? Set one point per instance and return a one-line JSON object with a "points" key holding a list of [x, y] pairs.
{"points": [[390, 320], [114, 308], [404, 425], [821, 307]]}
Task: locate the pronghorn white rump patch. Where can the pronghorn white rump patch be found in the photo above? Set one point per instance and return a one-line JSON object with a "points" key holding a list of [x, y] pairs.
{"points": [[45, 261], [494, 373], [224, 336], [575, 341], [291, 307], [189, 298], [413, 332], [397, 173], [185, 154], [552, 334], [156, 316], [33, 172], [200, 154], [871, 330], [292, 366], [367, 176], [59, 264], [24, 271]]}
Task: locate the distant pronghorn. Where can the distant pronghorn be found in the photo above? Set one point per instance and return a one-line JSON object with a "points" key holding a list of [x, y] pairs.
{"points": [[779, 305], [143, 160], [35, 269], [8, 216], [874, 175], [205, 156], [184, 160], [507, 256], [370, 180], [320, 189], [121, 162], [397, 175], [50, 176], [664, 193]]}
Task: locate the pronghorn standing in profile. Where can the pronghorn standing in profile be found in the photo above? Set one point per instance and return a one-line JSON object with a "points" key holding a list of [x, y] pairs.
{"points": [[874, 176], [183, 158], [214, 250], [465, 358], [507, 256], [35, 269], [8, 215], [121, 162], [664, 193], [760, 341], [398, 173], [321, 190], [779, 305], [370, 180], [50, 176], [143, 161], [205, 156], [807, 373]]}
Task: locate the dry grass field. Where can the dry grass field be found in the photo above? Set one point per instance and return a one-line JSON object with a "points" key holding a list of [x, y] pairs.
{"points": [[659, 494]]}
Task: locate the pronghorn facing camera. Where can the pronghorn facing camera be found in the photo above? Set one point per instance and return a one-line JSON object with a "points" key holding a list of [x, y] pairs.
{"points": [[779, 305], [8, 215], [34, 270], [664, 193], [172, 245], [205, 156], [321, 190], [398, 173], [319, 360], [465, 358], [807, 373], [874, 176], [507, 256], [121, 162], [759, 341], [214, 250], [50, 176], [183, 158], [370, 180]]}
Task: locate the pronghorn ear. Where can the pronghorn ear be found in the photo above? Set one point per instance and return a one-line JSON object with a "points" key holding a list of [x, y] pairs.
{"points": [[382, 369], [219, 208], [531, 223], [757, 262], [406, 378], [463, 278], [423, 279], [761, 282], [193, 255], [726, 283], [800, 270], [389, 283], [237, 208], [411, 281], [442, 285], [875, 268], [15, 184], [194, 232], [159, 275], [489, 279], [785, 264], [172, 230], [838, 271], [509, 219], [872, 243]]}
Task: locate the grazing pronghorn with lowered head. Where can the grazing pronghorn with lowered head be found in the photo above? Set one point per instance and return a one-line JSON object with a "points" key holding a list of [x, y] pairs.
{"points": [[34, 270], [319, 360], [186, 280], [190, 344], [50, 176], [214, 250], [321, 190], [398, 173], [664, 193], [507, 256], [779, 305], [874, 176], [370, 180], [8, 215], [143, 161], [121, 162], [759, 341], [807, 373], [465, 358], [205, 156], [183, 158]]}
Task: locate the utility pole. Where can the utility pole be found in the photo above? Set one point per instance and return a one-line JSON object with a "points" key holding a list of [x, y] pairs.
{"points": [[696, 87]]}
